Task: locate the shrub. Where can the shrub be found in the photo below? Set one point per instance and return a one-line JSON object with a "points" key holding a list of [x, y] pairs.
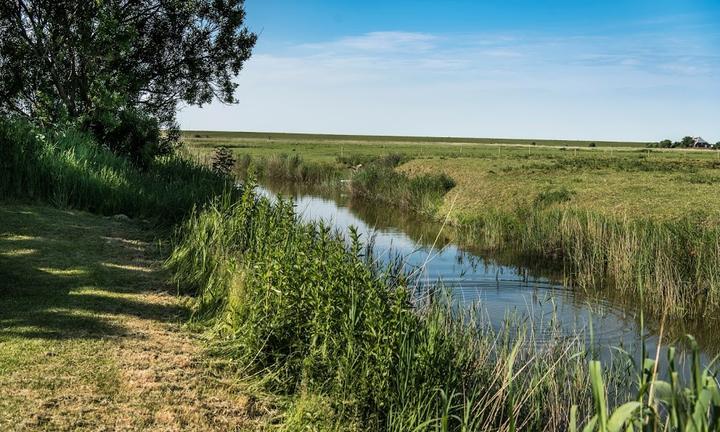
{"points": [[223, 161], [133, 134]]}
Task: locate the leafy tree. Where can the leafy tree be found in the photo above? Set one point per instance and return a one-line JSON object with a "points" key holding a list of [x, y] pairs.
{"points": [[665, 143], [687, 142], [100, 62]]}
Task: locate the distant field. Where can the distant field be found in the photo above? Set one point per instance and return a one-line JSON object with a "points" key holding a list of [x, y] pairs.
{"points": [[309, 142], [623, 179]]}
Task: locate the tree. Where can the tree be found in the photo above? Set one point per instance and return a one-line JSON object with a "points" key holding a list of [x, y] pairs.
{"points": [[89, 60], [687, 142]]}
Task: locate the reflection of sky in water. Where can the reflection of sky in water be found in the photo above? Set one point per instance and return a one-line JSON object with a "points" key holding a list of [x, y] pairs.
{"points": [[499, 290]]}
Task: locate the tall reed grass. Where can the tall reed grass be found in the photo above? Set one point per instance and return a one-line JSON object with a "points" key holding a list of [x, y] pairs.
{"points": [[354, 345], [422, 193], [368, 177], [68, 169], [672, 265], [286, 168]]}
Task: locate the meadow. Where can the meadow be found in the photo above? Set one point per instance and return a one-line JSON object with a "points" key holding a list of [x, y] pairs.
{"points": [[301, 321], [640, 221]]}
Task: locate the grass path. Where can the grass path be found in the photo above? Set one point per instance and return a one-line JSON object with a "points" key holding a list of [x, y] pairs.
{"points": [[89, 339]]}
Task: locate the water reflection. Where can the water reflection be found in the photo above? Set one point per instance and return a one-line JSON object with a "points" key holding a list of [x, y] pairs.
{"points": [[532, 291]]}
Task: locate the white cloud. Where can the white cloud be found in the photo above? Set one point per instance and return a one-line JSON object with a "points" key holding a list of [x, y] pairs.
{"points": [[478, 85], [379, 42]]}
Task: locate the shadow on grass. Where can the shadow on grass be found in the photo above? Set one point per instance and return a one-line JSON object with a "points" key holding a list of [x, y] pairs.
{"points": [[71, 275]]}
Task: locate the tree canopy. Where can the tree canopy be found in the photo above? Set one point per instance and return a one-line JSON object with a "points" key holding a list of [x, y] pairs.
{"points": [[82, 59]]}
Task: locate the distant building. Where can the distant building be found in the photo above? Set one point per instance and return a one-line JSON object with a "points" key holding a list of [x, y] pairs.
{"points": [[698, 142]]}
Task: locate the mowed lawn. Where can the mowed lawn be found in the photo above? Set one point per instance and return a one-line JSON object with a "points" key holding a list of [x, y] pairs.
{"points": [[89, 337], [612, 178]]}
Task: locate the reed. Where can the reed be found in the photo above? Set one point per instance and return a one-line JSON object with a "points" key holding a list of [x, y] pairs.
{"points": [[292, 169], [673, 264], [423, 193], [316, 316], [368, 177], [667, 405], [67, 169]]}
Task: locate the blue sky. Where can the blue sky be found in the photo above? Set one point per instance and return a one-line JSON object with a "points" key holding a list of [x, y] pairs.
{"points": [[636, 70]]}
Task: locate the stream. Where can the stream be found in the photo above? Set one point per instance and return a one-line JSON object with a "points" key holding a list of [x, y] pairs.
{"points": [[501, 286]]}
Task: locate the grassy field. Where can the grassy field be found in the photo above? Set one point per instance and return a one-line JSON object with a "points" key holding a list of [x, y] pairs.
{"points": [[621, 179], [89, 337], [326, 148], [305, 331]]}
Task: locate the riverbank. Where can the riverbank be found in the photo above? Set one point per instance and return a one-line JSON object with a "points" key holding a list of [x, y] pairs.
{"points": [[641, 222]]}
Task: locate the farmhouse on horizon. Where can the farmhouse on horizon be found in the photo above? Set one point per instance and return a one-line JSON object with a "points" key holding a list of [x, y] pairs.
{"points": [[698, 142]]}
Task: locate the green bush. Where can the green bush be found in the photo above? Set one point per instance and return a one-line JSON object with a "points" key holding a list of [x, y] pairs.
{"points": [[133, 134]]}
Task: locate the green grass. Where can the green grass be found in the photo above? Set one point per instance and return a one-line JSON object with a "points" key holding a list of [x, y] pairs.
{"points": [[66, 168], [91, 339], [272, 138], [350, 343], [354, 346], [304, 314], [639, 221], [67, 281]]}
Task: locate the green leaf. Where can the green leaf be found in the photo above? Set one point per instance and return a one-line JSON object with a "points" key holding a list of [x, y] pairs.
{"points": [[590, 427], [622, 415], [663, 391]]}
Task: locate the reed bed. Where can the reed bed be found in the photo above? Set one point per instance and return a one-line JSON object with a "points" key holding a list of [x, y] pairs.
{"points": [[68, 169], [286, 168], [673, 265], [367, 177], [356, 346], [316, 316]]}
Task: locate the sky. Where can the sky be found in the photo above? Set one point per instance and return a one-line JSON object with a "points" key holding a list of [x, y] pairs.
{"points": [[640, 70]]}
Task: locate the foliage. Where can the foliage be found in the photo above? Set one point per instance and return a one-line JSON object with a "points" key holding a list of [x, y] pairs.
{"points": [[67, 168], [133, 134], [687, 142], [119, 68], [75, 57], [353, 343], [223, 161], [660, 405]]}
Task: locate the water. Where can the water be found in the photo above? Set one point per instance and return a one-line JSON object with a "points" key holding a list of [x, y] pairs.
{"points": [[501, 286]]}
